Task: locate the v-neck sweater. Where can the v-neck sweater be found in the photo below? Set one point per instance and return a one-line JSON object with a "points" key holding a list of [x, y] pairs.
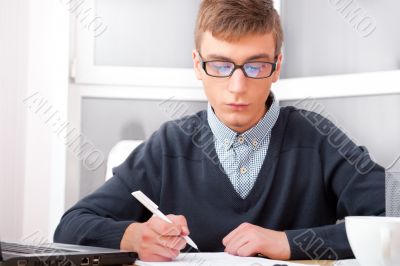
{"points": [[313, 176]]}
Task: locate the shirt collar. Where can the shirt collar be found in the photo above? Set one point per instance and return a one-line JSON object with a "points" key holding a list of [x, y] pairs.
{"points": [[253, 136]]}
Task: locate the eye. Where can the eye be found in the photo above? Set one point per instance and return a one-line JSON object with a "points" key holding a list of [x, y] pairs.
{"points": [[253, 69], [221, 65], [257, 69], [222, 68]]}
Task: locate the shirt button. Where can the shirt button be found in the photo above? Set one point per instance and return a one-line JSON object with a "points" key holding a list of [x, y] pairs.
{"points": [[255, 143], [243, 170], [240, 139], [226, 142]]}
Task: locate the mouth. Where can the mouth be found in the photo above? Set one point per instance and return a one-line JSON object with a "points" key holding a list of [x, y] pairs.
{"points": [[237, 106]]}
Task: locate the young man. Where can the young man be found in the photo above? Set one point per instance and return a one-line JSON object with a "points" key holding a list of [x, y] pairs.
{"points": [[244, 176]]}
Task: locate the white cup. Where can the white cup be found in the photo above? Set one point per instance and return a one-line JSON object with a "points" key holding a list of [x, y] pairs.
{"points": [[375, 241]]}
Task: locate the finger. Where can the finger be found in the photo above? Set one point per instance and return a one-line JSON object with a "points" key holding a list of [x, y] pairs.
{"points": [[227, 239], [180, 220], [236, 243], [247, 250], [158, 253], [165, 252], [233, 233], [153, 257], [174, 242], [164, 228]]}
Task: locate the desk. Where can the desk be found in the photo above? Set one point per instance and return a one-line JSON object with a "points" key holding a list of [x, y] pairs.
{"points": [[310, 262], [223, 258], [348, 262], [351, 262], [315, 262]]}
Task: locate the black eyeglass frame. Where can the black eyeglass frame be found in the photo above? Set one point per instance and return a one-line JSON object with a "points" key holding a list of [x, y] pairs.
{"points": [[241, 67]]}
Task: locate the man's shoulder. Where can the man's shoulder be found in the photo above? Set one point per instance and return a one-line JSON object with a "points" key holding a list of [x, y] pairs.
{"points": [[307, 126], [184, 127], [181, 137]]}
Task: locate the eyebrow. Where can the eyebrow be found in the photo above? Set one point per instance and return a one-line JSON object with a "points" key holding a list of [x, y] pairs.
{"points": [[253, 57]]}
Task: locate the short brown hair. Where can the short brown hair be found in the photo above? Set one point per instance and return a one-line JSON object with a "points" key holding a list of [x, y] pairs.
{"points": [[231, 20]]}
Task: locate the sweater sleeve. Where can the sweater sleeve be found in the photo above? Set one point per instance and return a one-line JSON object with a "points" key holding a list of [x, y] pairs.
{"points": [[356, 185], [101, 218]]}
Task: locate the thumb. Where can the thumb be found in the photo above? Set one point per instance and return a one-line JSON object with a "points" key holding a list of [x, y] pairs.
{"points": [[180, 220], [185, 230]]}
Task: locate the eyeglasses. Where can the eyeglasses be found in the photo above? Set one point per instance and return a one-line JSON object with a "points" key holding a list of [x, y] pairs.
{"points": [[223, 69]]}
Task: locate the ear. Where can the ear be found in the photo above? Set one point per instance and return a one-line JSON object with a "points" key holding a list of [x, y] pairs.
{"points": [[197, 65], [277, 72]]}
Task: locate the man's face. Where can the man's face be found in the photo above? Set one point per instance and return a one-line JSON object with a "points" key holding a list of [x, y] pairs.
{"points": [[238, 101]]}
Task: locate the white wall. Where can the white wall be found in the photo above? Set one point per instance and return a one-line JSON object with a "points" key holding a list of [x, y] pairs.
{"points": [[340, 37], [13, 79], [32, 158]]}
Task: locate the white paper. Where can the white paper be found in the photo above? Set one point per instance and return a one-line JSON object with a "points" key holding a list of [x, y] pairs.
{"points": [[351, 262], [217, 259]]}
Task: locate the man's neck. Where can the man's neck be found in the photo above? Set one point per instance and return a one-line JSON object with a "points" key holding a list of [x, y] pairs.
{"points": [[241, 130]]}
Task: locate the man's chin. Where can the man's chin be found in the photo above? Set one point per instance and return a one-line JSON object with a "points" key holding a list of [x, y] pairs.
{"points": [[237, 125]]}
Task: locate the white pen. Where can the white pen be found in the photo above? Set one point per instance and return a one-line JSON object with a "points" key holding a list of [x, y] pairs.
{"points": [[151, 206]]}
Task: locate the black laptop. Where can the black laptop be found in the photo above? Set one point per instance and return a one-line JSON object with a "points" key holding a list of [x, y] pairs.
{"points": [[55, 254]]}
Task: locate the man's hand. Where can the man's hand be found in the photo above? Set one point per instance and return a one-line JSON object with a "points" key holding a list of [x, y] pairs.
{"points": [[249, 240], [156, 240]]}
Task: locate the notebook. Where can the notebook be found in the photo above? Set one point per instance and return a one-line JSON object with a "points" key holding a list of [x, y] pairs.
{"points": [[55, 254]]}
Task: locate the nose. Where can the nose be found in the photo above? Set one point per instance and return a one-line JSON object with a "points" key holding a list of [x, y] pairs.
{"points": [[237, 82]]}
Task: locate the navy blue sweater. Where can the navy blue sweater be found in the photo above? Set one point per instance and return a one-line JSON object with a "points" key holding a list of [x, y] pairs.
{"points": [[312, 176]]}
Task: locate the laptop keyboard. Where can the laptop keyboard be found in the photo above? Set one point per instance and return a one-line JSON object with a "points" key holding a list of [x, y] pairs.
{"points": [[28, 249]]}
